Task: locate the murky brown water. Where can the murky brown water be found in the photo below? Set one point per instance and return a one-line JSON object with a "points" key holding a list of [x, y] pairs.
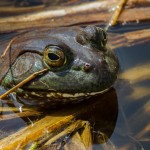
{"points": [[122, 113]]}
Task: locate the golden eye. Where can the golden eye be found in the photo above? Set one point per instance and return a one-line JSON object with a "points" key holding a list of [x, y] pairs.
{"points": [[54, 56]]}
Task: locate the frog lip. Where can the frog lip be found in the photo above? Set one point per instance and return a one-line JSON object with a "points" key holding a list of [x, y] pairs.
{"points": [[64, 95]]}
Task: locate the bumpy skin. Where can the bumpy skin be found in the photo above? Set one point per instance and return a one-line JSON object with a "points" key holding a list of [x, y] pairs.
{"points": [[90, 68]]}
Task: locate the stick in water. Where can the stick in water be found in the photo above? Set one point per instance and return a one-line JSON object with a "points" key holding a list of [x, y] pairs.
{"points": [[23, 82], [115, 16]]}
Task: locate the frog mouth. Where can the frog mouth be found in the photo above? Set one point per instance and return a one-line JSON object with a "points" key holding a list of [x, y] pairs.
{"points": [[44, 99], [76, 95], [59, 95]]}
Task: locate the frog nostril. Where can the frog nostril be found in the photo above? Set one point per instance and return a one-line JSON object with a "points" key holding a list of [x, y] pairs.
{"points": [[87, 67]]}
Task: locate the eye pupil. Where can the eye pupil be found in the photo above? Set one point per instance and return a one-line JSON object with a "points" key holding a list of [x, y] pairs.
{"points": [[53, 57]]}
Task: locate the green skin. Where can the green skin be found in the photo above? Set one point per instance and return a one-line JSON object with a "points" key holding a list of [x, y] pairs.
{"points": [[90, 67]]}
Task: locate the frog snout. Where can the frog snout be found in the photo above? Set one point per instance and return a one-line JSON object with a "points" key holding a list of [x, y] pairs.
{"points": [[86, 67]]}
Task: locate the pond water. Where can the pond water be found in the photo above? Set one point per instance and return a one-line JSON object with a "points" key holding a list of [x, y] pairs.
{"points": [[133, 94]]}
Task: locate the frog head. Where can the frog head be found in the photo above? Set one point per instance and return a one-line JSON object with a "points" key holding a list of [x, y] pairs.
{"points": [[79, 61]]}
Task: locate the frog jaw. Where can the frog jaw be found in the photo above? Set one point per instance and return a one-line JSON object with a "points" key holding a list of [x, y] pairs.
{"points": [[64, 95], [53, 98]]}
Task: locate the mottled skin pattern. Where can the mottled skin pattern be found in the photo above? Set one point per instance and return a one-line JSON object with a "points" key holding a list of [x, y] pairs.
{"points": [[90, 67]]}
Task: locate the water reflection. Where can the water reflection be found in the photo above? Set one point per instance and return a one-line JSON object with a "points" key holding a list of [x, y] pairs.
{"points": [[102, 115], [133, 91]]}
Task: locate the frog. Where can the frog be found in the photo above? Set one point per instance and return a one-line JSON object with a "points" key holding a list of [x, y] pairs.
{"points": [[79, 60]]}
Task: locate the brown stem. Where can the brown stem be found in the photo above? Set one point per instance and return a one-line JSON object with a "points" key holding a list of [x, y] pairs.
{"points": [[72, 128], [18, 115], [116, 14]]}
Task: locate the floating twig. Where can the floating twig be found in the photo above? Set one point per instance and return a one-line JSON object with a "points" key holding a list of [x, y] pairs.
{"points": [[86, 136], [48, 124], [72, 128], [19, 115], [60, 12], [115, 16], [14, 109]]}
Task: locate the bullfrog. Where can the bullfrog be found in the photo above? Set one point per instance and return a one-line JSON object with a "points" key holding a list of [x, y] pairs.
{"points": [[80, 65]]}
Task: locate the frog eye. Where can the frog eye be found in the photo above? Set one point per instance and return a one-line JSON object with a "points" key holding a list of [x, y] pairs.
{"points": [[54, 56]]}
